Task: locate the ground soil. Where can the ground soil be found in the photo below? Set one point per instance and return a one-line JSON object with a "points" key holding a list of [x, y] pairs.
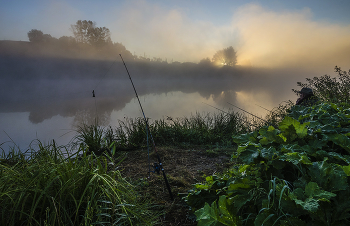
{"points": [[183, 168]]}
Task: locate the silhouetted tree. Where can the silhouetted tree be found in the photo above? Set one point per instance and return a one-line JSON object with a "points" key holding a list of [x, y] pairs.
{"points": [[226, 56], [67, 40], [205, 61], [87, 32], [35, 35]]}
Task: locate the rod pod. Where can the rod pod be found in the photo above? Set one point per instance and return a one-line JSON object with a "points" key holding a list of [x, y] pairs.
{"points": [[149, 131]]}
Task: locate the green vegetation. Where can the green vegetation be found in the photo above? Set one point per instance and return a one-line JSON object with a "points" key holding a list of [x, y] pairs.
{"points": [[295, 174], [330, 89], [199, 129], [49, 187]]}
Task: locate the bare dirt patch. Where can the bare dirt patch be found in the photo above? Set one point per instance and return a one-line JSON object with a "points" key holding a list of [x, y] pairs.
{"points": [[183, 168]]}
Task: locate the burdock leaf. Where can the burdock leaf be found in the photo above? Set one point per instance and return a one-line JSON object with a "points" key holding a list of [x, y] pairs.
{"points": [[328, 176], [206, 215], [312, 190], [347, 170], [248, 152], [218, 214], [244, 138], [341, 140], [300, 129]]}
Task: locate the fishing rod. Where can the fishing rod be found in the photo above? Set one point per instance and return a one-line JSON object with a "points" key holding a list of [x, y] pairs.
{"points": [[263, 108], [216, 108], [224, 112], [159, 166], [253, 115]]}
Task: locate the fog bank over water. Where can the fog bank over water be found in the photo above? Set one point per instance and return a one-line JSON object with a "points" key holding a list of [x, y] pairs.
{"points": [[45, 97], [46, 87]]}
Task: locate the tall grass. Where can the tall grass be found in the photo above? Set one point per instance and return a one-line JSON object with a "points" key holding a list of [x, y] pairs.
{"points": [[198, 129], [48, 187]]}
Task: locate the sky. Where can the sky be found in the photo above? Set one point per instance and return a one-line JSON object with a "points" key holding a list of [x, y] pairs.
{"points": [[266, 33]]}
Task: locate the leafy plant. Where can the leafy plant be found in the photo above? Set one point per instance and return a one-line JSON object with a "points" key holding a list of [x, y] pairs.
{"points": [[296, 174]]}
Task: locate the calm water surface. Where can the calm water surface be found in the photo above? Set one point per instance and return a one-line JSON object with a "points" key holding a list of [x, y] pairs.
{"points": [[55, 112], [46, 103]]}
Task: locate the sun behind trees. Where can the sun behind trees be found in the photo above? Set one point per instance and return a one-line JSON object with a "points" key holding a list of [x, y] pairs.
{"points": [[226, 56], [223, 57]]}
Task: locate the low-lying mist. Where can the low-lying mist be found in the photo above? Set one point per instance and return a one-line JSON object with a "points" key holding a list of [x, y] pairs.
{"points": [[49, 86]]}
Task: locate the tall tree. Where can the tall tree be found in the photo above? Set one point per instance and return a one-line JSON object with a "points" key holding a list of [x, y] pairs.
{"points": [[226, 56], [86, 32]]}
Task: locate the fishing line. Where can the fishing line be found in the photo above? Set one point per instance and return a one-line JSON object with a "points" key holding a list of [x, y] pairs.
{"points": [[263, 108], [105, 74], [254, 115], [148, 131], [226, 112]]}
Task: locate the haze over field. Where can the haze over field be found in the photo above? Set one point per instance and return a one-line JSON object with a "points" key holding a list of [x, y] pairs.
{"points": [[168, 47], [311, 35]]}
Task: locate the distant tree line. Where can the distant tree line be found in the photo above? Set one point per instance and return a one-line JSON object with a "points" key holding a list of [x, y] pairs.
{"points": [[88, 40]]}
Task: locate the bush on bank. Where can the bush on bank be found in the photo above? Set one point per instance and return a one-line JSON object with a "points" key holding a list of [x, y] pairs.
{"points": [[295, 174]]}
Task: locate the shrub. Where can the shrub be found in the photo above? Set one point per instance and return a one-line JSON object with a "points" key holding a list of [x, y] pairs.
{"points": [[329, 89]]}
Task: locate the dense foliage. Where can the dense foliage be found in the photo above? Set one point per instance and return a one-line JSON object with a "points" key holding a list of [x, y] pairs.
{"points": [[296, 174]]}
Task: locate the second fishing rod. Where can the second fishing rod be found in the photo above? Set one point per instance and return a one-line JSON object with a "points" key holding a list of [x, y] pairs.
{"points": [[148, 131]]}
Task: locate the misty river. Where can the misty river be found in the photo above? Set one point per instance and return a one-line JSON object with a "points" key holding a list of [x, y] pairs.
{"points": [[45, 99]]}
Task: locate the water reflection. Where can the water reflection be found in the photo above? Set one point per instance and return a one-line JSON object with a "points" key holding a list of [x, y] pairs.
{"points": [[46, 98]]}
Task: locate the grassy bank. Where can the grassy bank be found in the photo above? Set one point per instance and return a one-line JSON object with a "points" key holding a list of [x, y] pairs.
{"points": [[47, 187], [51, 185]]}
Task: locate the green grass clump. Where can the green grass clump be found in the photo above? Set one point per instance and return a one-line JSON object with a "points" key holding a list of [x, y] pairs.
{"points": [[48, 186], [199, 129]]}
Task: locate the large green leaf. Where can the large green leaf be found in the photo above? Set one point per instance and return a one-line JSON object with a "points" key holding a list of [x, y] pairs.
{"points": [[328, 176], [312, 190], [244, 138], [288, 122], [217, 214], [341, 140], [347, 170], [269, 153], [208, 216], [296, 158], [310, 199], [248, 152], [270, 135]]}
